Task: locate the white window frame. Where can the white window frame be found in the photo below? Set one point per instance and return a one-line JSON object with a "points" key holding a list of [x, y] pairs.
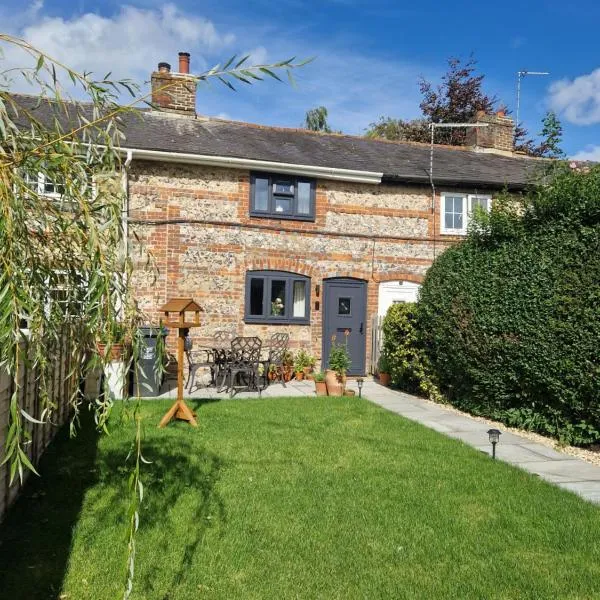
{"points": [[41, 185], [57, 196], [466, 212]]}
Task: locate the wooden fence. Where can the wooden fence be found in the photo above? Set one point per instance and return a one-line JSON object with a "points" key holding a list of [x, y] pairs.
{"points": [[61, 386], [376, 342]]}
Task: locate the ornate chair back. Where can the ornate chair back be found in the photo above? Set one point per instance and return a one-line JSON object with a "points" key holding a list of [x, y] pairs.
{"points": [[245, 353]]}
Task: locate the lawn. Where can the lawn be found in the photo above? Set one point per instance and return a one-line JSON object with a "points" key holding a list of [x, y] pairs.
{"points": [[296, 498]]}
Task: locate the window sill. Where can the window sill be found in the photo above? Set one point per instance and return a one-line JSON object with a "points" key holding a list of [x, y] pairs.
{"points": [[454, 232], [266, 321], [281, 217]]}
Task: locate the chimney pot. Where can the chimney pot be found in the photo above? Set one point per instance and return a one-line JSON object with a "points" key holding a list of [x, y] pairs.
{"points": [[496, 137], [184, 62], [174, 92]]}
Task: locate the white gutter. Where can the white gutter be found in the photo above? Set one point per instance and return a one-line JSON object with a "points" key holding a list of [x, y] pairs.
{"points": [[260, 165]]}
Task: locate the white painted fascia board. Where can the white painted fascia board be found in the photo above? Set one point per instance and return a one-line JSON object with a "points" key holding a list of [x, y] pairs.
{"points": [[260, 165]]}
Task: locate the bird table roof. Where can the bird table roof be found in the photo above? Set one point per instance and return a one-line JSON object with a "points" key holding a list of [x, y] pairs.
{"points": [[181, 305]]}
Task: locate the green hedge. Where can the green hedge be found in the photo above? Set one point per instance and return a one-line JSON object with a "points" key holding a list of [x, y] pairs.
{"points": [[510, 319], [403, 353]]}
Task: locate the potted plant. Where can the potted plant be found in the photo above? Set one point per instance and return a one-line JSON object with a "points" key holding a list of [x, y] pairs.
{"points": [[383, 369], [339, 363], [287, 367], [302, 364], [272, 374], [320, 385], [310, 366], [115, 336], [113, 349]]}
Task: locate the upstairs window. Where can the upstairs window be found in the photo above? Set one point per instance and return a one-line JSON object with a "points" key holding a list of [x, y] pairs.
{"points": [[457, 210], [40, 184], [277, 297], [282, 197]]}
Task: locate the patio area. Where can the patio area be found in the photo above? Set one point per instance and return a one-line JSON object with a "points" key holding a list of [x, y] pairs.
{"points": [[293, 388]]}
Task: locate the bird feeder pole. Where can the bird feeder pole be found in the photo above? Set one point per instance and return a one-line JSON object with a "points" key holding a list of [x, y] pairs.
{"points": [[180, 410]]}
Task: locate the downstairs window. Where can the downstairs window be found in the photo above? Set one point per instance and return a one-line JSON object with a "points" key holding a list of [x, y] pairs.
{"points": [[277, 297]]}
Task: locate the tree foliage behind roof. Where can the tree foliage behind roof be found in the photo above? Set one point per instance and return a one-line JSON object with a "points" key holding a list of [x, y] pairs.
{"points": [[316, 120], [457, 99]]}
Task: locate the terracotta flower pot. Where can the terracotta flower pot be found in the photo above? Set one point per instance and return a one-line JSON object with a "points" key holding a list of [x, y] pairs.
{"points": [[117, 351], [335, 384], [299, 375], [384, 378], [307, 372], [321, 388], [286, 373], [272, 375]]}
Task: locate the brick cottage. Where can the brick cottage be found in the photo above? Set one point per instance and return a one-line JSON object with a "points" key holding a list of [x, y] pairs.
{"points": [[273, 229]]}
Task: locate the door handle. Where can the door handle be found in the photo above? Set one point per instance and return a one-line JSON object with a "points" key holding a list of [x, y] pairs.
{"points": [[361, 328]]}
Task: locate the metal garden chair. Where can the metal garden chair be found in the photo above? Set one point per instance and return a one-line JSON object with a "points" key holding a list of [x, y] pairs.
{"points": [[277, 346], [212, 356], [243, 365]]}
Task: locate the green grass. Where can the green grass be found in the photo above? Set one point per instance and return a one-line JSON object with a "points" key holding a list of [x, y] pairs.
{"points": [[297, 498]]}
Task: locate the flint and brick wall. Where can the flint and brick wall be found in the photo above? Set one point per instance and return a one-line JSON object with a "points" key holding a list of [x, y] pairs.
{"points": [[195, 222]]}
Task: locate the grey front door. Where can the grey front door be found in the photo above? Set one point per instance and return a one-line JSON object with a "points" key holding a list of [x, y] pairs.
{"points": [[345, 310]]}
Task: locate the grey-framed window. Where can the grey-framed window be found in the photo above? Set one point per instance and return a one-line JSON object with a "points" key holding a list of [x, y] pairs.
{"points": [[277, 297], [282, 197]]}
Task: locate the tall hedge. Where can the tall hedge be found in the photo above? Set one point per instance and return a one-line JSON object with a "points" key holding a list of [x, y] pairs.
{"points": [[510, 319]]}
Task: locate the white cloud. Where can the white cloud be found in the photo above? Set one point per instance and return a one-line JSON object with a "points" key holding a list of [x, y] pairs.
{"points": [[590, 152], [129, 43], [257, 56], [355, 87], [578, 99]]}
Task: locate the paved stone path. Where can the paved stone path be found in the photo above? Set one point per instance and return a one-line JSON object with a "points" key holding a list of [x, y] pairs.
{"points": [[558, 468]]}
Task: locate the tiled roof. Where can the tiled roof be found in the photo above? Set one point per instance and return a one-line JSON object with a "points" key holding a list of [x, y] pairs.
{"points": [[398, 161]]}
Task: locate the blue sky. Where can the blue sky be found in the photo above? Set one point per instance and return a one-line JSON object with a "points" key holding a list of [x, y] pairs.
{"points": [[369, 54]]}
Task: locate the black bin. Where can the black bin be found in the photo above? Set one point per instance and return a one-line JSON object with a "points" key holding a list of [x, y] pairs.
{"points": [[149, 379]]}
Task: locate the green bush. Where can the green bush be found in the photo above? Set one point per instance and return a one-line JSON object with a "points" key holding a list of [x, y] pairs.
{"points": [[403, 353], [510, 318]]}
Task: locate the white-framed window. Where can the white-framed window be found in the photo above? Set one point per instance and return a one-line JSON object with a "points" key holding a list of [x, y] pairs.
{"points": [[63, 294], [457, 209], [43, 186]]}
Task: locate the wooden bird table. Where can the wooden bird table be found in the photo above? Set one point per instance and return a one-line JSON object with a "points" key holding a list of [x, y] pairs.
{"points": [[182, 306]]}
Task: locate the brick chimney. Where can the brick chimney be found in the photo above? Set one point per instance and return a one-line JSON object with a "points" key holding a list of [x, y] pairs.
{"points": [[497, 137], [174, 92]]}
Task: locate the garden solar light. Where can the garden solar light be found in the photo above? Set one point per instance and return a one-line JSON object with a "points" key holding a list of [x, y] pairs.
{"points": [[360, 382], [494, 439]]}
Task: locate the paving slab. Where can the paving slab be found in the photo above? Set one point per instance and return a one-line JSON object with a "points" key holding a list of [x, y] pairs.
{"points": [[586, 489], [478, 435], [514, 454], [566, 471]]}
